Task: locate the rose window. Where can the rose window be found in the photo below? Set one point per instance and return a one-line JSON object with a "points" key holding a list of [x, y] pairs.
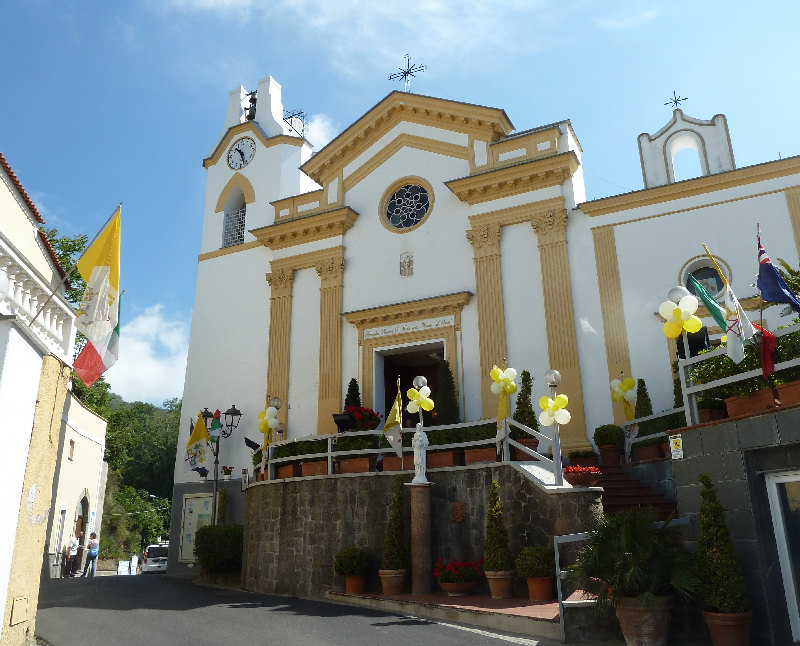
{"points": [[407, 206]]}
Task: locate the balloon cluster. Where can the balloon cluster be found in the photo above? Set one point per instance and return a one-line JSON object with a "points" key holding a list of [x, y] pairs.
{"points": [[268, 423], [554, 410], [624, 389], [419, 399], [503, 380], [680, 316]]}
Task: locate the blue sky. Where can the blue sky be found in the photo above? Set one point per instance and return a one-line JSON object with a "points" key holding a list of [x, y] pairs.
{"points": [[105, 102]]}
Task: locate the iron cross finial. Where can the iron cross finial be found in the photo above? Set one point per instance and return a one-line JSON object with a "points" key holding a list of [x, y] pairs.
{"points": [[675, 100], [407, 72]]}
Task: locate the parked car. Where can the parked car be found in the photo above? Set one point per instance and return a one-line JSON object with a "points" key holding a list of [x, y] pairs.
{"points": [[155, 558]]}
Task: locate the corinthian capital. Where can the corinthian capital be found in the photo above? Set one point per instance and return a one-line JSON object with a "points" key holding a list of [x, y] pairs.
{"points": [[280, 282], [485, 240], [331, 271], [550, 227]]}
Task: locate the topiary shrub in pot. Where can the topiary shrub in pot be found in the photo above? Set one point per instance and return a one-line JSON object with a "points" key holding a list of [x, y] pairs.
{"points": [[537, 565], [352, 563], [498, 560], [635, 565], [609, 439], [524, 414], [218, 549], [394, 562], [722, 590]]}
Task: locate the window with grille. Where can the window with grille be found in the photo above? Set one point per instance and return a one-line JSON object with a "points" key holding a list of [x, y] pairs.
{"points": [[233, 227]]}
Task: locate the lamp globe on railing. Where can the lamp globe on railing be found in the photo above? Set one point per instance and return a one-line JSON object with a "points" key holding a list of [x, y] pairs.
{"points": [[420, 382], [276, 402], [207, 417], [232, 417], [552, 378]]}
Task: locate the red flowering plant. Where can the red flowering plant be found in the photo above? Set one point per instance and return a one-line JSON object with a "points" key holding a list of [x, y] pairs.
{"points": [[574, 468], [458, 571], [362, 413], [227, 470]]}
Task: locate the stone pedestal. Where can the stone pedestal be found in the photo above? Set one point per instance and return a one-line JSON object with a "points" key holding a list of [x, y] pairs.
{"points": [[421, 554]]}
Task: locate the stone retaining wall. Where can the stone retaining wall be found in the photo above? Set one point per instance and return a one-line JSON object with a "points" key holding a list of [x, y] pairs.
{"points": [[293, 528]]}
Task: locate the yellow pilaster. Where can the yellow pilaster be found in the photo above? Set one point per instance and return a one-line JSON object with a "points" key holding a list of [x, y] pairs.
{"points": [[485, 241], [331, 273], [562, 345], [280, 322]]}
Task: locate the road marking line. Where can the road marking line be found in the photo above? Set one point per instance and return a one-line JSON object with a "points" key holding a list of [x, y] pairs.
{"points": [[485, 633]]}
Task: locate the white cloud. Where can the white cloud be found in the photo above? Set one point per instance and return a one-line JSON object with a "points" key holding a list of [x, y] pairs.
{"points": [[152, 357], [624, 23], [320, 130]]}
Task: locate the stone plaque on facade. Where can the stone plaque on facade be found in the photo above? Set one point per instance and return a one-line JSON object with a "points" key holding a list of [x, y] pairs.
{"points": [[459, 511]]}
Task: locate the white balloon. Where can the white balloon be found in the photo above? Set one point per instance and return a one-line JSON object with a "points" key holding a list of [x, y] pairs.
{"points": [[424, 392], [272, 412], [545, 419], [497, 388], [511, 374], [630, 395], [666, 308], [272, 422], [562, 416], [615, 383], [412, 407], [689, 304]]}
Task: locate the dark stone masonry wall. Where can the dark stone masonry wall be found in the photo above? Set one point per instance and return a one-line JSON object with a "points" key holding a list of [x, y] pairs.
{"points": [[738, 455], [293, 528]]}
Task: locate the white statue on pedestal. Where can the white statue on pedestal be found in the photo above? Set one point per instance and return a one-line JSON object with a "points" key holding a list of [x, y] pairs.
{"points": [[420, 444]]}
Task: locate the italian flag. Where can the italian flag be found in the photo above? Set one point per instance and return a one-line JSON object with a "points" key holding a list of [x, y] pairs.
{"points": [[98, 315]]}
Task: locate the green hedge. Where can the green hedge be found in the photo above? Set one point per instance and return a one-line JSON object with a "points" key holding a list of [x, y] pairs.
{"points": [[300, 447], [218, 548]]}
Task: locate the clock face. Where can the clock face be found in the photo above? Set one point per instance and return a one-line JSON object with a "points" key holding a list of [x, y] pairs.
{"points": [[241, 153]]}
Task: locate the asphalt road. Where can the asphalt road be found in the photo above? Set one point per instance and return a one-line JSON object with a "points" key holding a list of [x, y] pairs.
{"points": [[154, 609]]}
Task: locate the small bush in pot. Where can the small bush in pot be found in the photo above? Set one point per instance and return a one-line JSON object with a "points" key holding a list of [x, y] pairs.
{"points": [[352, 563], [218, 549], [722, 589], [499, 562], [609, 439], [394, 561], [536, 564]]}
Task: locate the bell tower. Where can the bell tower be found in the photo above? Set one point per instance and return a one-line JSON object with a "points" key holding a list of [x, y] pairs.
{"points": [[709, 139]]}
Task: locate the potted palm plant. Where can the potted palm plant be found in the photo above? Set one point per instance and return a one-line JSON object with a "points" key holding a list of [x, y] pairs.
{"points": [[609, 439], [395, 547], [635, 564], [352, 563], [722, 591], [498, 563], [537, 565]]}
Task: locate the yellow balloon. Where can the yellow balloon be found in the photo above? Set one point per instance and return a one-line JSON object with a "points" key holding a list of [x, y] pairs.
{"points": [[262, 414], [672, 330], [561, 401], [412, 393], [426, 404], [511, 387], [263, 426], [628, 383], [495, 373], [545, 402], [616, 396], [693, 324]]}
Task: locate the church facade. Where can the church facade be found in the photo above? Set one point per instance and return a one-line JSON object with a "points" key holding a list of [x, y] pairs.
{"points": [[431, 229]]}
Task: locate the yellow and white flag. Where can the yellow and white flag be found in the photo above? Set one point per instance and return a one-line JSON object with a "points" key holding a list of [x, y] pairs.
{"points": [[394, 424], [198, 448], [99, 265]]}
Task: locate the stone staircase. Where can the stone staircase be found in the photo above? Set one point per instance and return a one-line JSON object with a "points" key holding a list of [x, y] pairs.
{"points": [[622, 491]]}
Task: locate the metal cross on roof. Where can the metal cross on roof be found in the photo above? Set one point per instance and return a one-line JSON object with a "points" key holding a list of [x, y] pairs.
{"points": [[675, 100], [407, 72]]}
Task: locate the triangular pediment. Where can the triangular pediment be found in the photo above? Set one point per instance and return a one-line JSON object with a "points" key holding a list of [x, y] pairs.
{"points": [[252, 129], [487, 123]]}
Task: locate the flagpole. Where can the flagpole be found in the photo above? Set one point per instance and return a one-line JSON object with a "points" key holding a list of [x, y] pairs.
{"points": [[402, 455], [75, 266]]}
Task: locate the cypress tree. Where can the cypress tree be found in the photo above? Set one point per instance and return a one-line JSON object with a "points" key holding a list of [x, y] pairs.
{"points": [[497, 553], [395, 545], [644, 406], [353, 397], [523, 411], [446, 397]]}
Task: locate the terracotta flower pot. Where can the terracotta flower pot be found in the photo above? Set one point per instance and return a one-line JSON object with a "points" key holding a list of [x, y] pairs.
{"points": [[314, 468], [582, 479], [729, 628], [355, 583], [610, 454], [356, 464], [501, 583], [647, 452], [436, 459], [368, 424], [521, 456], [666, 450], [482, 454], [392, 581], [458, 589], [757, 402], [393, 463], [711, 414], [645, 626], [540, 588], [287, 471]]}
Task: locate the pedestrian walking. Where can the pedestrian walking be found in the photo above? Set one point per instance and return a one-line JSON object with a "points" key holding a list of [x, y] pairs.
{"points": [[93, 547], [73, 560]]}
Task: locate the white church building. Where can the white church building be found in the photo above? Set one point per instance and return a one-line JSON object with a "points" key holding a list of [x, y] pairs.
{"points": [[431, 228]]}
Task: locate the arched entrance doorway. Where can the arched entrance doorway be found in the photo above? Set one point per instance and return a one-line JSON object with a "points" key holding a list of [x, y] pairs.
{"points": [[407, 363]]}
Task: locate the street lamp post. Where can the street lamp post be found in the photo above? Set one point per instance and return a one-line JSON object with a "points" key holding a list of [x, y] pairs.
{"points": [[232, 417]]}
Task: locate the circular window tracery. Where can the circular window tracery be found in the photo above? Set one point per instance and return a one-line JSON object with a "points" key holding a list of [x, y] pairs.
{"points": [[407, 206]]}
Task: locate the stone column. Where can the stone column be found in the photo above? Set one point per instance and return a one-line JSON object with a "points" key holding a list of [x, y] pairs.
{"points": [[485, 243], [562, 345], [280, 322], [331, 273], [421, 553]]}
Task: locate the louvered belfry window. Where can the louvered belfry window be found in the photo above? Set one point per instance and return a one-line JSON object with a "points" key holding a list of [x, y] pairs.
{"points": [[233, 227]]}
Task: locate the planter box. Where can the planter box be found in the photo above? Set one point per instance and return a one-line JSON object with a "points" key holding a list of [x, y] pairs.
{"points": [[314, 468], [482, 454], [287, 471], [711, 414], [436, 459], [363, 464], [521, 456], [764, 400], [582, 479], [652, 452], [393, 463], [610, 454]]}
